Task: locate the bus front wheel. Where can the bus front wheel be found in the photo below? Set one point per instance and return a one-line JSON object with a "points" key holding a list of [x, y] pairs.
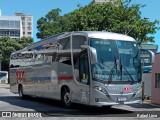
{"points": [[66, 97]]}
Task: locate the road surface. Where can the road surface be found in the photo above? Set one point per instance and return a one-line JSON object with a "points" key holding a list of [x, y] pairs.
{"points": [[11, 103]]}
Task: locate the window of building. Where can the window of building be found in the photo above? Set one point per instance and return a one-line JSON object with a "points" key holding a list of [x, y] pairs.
{"points": [[9, 24], [7, 32], [23, 23], [29, 28], [157, 80], [17, 33], [29, 23], [29, 33], [12, 33], [17, 24], [23, 18], [29, 19]]}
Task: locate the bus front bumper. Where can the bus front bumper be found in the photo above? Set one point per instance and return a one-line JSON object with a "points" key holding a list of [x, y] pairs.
{"points": [[101, 104]]}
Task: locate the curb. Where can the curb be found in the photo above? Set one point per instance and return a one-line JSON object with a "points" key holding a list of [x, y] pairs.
{"points": [[155, 105], [4, 85], [149, 101]]}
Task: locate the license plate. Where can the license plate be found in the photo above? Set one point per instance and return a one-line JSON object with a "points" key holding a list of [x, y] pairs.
{"points": [[121, 99]]}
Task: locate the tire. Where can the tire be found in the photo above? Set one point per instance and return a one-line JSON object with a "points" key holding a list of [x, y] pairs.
{"points": [[66, 98]]}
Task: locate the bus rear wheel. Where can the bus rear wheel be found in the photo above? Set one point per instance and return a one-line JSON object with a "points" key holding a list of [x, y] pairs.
{"points": [[66, 97]]}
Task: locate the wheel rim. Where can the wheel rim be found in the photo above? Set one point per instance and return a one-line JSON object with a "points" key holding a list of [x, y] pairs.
{"points": [[67, 98]]}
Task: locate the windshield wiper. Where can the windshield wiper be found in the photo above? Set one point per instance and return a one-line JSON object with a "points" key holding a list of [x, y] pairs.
{"points": [[132, 80], [120, 70]]}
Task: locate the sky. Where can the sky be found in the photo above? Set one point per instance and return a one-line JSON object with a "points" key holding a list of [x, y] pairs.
{"points": [[39, 8]]}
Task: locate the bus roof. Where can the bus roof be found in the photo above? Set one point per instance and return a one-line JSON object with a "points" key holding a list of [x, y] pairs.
{"points": [[90, 34], [107, 35]]}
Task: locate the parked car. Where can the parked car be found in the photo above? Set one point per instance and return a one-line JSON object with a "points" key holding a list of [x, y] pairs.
{"points": [[3, 77]]}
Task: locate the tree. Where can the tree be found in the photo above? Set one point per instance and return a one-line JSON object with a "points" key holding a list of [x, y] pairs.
{"points": [[49, 25], [111, 17], [24, 41], [9, 45]]}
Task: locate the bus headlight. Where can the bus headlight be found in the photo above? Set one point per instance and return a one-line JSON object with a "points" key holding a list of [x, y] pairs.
{"points": [[98, 88]]}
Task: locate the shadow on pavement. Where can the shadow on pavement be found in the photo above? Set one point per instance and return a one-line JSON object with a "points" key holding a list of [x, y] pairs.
{"points": [[50, 107]]}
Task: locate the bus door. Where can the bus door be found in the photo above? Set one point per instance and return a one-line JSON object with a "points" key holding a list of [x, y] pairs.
{"points": [[83, 79]]}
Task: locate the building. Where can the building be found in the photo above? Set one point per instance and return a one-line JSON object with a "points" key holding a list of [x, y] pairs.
{"points": [[101, 1], [147, 60], [11, 26], [16, 26], [151, 47], [105, 1], [27, 24], [155, 93]]}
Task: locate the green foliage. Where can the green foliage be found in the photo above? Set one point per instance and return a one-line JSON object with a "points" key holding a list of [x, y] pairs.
{"points": [[24, 41], [122, 18], [50, 24], [9, 45]]}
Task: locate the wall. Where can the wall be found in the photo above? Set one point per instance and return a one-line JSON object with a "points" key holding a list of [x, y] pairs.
{"points": [[155, 93]]}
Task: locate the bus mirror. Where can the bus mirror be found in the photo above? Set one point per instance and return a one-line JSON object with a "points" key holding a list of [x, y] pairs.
{"points": [[152, 56], [84, 46], [93, 54]]}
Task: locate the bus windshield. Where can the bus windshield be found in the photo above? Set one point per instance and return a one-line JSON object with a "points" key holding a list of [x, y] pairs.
{"points": [[117, 61]]}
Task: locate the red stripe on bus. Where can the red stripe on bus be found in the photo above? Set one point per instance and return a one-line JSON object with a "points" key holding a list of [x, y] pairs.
{"points": [[65, 77]]}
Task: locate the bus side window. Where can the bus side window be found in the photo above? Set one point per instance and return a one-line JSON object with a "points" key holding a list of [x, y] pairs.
{"points": [[84, 68]]}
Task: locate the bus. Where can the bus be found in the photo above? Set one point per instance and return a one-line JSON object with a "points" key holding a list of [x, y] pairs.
{"points": [[95, 68]]}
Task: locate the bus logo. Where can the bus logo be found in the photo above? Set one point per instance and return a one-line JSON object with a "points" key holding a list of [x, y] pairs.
{"points": [[20, 75], [128, 89]]}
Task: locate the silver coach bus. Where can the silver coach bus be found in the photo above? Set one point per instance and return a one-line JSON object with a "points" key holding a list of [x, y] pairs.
{"points": [[94, 68]]}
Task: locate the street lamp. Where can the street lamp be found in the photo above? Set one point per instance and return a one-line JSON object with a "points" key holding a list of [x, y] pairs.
{"points": [[136, 24]]}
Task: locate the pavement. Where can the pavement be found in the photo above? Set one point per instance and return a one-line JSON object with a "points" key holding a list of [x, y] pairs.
{"points": [[15, 103], [149, 102], [5, 85]]}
